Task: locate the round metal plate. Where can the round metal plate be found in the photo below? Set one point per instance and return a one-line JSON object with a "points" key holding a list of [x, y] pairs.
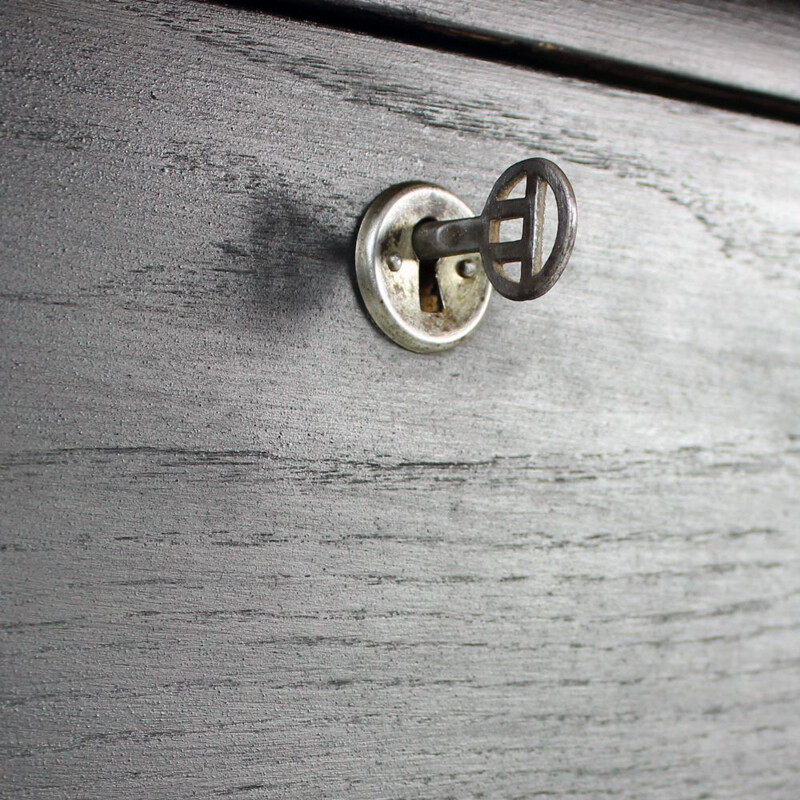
{"points": [[388, 271]]}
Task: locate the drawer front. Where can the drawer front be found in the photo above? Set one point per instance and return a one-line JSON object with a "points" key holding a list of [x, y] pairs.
{"points": [[251, 547], [707, 46]]}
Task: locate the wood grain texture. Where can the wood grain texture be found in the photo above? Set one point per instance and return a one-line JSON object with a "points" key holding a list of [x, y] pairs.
{"points": [[743, 43], [251, 548]]}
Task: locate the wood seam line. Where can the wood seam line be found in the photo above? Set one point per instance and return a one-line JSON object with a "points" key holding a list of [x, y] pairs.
{"points": [[541, 56]]}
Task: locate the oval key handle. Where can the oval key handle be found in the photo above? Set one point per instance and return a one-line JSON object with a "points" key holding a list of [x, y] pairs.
{"points": [[435, 239]]}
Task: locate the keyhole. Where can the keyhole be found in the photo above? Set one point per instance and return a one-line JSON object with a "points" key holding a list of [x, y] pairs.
{"points": [[430, 297]]}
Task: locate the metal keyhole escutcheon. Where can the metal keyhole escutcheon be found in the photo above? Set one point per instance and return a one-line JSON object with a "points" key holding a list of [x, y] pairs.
{"points": [[410, 265]]}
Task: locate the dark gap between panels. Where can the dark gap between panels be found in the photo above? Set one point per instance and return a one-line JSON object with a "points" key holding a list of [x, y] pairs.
{"points": [[487, 45]]}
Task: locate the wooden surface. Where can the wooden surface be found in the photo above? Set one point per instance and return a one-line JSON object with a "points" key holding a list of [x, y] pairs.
{"points": [[251, 548], [751, 44]]}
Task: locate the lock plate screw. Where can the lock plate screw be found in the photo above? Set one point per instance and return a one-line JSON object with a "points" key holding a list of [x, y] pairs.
{"points": [[467, 268], [394, 262]]}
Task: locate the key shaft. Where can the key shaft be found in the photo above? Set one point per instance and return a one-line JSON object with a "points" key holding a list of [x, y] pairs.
{"points": [[455, 237]]}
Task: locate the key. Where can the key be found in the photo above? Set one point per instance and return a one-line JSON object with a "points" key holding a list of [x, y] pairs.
{"points": [[434, 240]]}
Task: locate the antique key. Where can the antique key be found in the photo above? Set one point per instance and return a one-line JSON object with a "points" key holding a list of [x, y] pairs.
{"points": [[409, 254], [434, 240]]}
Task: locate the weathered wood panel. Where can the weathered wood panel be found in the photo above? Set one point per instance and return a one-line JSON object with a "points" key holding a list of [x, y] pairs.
{"points": [[252, 548], [743, 43]]}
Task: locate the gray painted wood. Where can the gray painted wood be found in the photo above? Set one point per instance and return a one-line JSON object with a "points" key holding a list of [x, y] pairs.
{"points": [[251, 548], [749, 44]]}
